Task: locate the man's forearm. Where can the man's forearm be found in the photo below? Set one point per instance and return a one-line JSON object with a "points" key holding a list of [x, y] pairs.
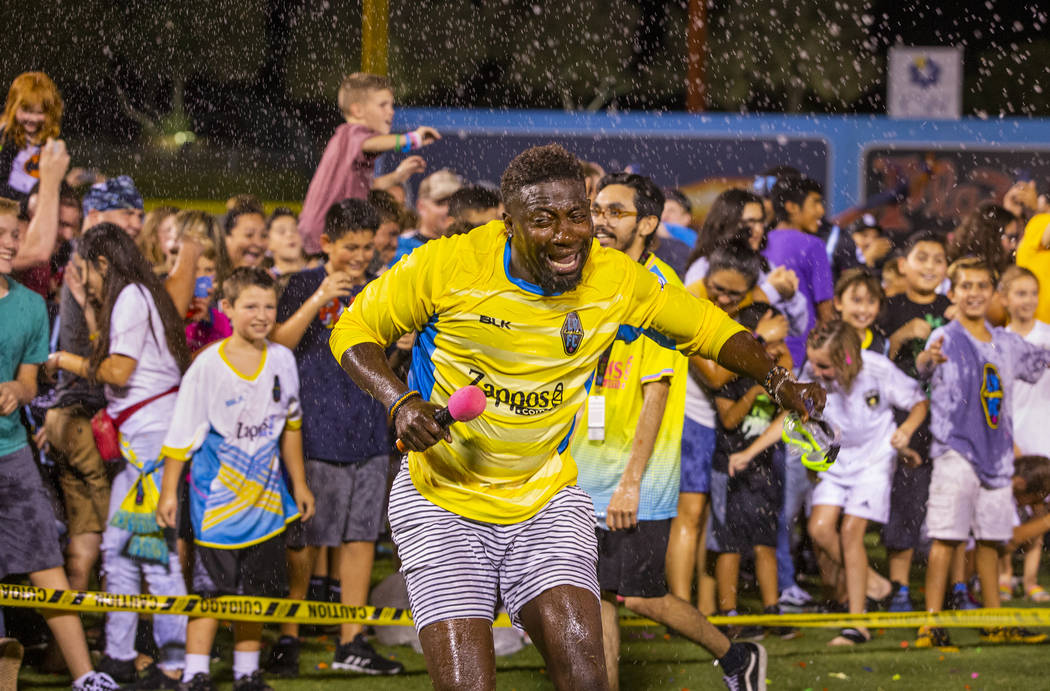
{"points": [[746, 356], [367, 365]]}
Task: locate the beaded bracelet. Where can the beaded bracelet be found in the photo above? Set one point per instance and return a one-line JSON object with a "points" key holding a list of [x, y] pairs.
{"points": [[399, 403], [773, 389]]}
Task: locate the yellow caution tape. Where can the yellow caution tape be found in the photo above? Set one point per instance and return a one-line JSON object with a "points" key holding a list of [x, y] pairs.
{"points": [[238, 608]]}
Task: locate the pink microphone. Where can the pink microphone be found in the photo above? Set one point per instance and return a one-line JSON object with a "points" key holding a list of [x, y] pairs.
{"points": [[463, 405]]}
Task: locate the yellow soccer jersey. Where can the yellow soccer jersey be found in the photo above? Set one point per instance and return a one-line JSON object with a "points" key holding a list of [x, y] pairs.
{"points": [[532, 354], [635, 360]]}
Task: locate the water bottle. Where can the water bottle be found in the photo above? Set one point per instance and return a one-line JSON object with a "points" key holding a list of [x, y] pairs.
{"points": [[817, 439]]}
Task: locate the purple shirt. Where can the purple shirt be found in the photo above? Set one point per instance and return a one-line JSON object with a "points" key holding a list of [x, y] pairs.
{"points": [[971, 397], [806, 256]]}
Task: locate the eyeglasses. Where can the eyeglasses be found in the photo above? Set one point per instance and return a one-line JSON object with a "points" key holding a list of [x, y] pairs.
{"points": [[612, 213], [714, 290]]}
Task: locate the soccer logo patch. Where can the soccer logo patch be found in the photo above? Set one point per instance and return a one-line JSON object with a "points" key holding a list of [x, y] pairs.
{"points": [[276, 389], [571, 333], [991, 395], [872, 398]]}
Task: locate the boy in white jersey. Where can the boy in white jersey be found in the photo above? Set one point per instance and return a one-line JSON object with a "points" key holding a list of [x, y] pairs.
{"points": [[237, 416]]}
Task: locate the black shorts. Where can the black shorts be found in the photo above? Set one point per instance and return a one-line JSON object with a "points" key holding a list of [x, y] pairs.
{"points": [[631, 562], [259, 570], [908, 496], [744, 509]]}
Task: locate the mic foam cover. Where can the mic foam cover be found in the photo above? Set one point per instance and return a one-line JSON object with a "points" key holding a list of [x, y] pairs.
{"points": [[466, 404]]}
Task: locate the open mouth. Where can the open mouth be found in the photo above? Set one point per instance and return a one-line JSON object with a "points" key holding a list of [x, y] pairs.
{"points": [[565, 263]]}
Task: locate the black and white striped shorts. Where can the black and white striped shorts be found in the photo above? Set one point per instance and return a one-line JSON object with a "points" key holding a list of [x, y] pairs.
{"points": [[457, 568]]}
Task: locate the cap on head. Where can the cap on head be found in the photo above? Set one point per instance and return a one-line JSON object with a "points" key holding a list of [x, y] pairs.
{"points": [[440, 185], [115, 193]]}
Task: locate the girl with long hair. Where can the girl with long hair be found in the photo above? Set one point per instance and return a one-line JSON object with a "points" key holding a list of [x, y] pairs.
{"points": [[139, 355], [32, 115]]}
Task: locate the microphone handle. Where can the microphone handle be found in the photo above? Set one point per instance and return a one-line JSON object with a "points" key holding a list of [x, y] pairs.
{"points": [[442, 417]]}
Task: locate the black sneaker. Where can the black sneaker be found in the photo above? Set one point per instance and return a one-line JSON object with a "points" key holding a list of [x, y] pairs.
{"points": [[153, 677], [752, 676], [741, 632], [253, 682], [359, 656], [201, 681], [786, 633], [121, 671], [284, 657]]}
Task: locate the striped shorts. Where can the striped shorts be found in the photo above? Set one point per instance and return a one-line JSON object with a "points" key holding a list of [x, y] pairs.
{"points": [[457, 568]]}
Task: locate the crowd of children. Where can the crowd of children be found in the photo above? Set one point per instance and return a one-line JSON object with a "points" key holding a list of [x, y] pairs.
{"points": [[173, 371]]}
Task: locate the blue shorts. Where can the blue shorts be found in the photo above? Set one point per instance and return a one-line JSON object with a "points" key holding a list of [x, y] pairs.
{"points": [[698, 445]]}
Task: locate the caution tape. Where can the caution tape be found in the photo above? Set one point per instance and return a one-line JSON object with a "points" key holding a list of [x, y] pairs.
{"points": [[240, 608]]}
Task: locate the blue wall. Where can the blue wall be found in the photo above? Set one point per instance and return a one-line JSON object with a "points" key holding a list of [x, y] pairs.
{"points": [[676, 148]]}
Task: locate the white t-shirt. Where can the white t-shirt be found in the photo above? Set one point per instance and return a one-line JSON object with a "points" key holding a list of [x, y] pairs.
{"points": [[1031, 406], [136, 331], [865, 415]]}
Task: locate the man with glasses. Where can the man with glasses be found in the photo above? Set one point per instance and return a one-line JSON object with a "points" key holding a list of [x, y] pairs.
{"points": [[628, 448]]}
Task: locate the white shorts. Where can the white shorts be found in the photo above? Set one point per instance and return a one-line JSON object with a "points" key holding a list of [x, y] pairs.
{"points": [[457, 568], [959, 505], [866, 495]]}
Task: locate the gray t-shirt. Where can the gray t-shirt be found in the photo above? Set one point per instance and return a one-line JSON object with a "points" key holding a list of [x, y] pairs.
{"points": [[73, 337]]}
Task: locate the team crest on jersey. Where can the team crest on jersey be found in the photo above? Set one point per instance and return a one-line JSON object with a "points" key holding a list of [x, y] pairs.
{"points": [[991, 395], [571, 333], [276, 389], [872, 398]]}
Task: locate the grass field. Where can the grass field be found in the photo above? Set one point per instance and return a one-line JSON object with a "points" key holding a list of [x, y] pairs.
{"points": [[653, 660]]}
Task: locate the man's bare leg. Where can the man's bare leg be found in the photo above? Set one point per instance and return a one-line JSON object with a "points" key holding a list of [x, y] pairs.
{"points": [[611, 638], [675, 612], [459, 654], [565, 625]]}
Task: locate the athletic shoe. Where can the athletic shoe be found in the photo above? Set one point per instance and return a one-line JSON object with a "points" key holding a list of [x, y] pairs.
{"points": [[120, 671], [786, 633], [932, 637], [794, 597], [201, 681], [284, 657], [900, 599], [1037, 593], [752, 676], [1013, 634], [252, 682], [153, 678], [742, 632], [97, 681], [359, 656], [960, 599]]}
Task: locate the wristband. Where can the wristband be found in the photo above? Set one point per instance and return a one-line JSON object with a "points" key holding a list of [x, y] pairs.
{"points": [[397, 142], [408, 143], [415, 141], [775, 379], [399, 403]]}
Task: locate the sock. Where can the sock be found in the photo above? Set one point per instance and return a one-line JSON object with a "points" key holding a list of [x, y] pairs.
{"points": [[244, 663], [81, 679], [195, 664], [959, 587], [734, 660]]}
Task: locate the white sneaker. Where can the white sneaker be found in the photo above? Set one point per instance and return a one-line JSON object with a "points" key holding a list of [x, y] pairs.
{"points": [[795, 597], [97, 681]]}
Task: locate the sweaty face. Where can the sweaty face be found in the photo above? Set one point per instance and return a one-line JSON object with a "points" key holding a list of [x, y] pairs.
{"points": [[616, 218], [858, 306], [351, 253], [551, 234], [820, 361]]}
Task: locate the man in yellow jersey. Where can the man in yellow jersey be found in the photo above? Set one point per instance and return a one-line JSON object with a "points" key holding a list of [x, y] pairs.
{"points": [[523, 308], [628, 448]]}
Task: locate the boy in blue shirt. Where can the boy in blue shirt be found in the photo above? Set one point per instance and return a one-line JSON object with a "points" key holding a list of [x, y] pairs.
{"points": [[344, 433]]}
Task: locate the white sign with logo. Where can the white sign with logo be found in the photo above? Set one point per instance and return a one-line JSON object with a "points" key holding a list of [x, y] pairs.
{"points": [[924, 82]]}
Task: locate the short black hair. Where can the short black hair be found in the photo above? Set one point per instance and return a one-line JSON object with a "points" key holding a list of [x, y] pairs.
{"points": [[471, 198], [678, 196], [925, 236], [792, 189], [387, 206], [246, 277], [536, 165], [349, 215], [748, 317], [736, 255], [280, 212], [648, 198]]}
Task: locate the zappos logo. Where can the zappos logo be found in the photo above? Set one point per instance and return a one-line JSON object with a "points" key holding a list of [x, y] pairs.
{"points": [[991, 395]]}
